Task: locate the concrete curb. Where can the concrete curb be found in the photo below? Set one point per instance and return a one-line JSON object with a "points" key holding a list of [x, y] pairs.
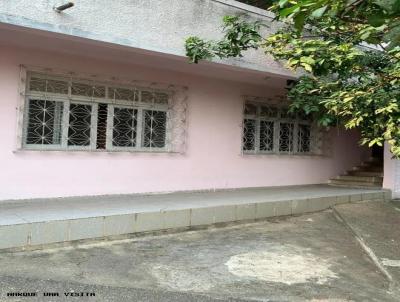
{"points": [[34, 231]]}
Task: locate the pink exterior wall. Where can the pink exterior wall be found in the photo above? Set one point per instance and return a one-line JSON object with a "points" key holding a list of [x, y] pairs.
{"points": [[213, 158]]}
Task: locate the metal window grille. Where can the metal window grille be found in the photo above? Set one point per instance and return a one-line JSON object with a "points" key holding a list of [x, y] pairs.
{"points": [[273, 129], [68, 113]]}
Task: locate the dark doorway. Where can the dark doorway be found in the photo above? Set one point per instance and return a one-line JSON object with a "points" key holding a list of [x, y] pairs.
{"points": [[377, 152]]}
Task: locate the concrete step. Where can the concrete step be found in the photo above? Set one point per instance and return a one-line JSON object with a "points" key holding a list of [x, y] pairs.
{"points": [[355, 184], [371, 164], [35, 224], [365, 173], [358, 178], [368, 169], [375, 160]]}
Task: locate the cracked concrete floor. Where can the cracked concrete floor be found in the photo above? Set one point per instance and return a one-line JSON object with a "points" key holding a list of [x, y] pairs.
{"points": [[306, 258]]}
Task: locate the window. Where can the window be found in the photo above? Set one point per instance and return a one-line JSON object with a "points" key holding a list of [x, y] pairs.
{"points": [[154, 128], [273, 129], [44, 122], [76, 114], [124, 127]]}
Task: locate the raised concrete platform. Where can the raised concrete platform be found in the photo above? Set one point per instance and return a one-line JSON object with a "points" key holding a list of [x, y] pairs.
{"points": [[32, 223]]}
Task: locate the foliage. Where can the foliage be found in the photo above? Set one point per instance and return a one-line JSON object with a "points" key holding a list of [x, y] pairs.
{"points": [[349, 50], [239, 36], [371, 21]]}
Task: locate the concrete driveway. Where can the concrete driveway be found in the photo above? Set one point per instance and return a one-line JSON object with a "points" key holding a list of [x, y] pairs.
{"points": [[312, 257]]}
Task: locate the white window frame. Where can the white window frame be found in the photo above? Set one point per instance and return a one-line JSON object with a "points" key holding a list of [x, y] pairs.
{"points": [[110, 130], [277, 121], [67, 99], [141, 120], [93, 126]]}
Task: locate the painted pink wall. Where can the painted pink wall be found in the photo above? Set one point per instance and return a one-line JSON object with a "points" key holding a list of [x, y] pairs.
{"points": [[212, 160]]}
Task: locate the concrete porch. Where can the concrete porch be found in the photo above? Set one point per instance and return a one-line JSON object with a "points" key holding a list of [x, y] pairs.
{"points": [[34, 223]]}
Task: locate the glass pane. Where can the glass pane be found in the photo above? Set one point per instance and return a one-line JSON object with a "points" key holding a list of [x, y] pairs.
{"points": [[266, 136], [124, 130], [286, 137], [79, 129], [49, 86], [102, 114], [124, 94], [154, 128], [249, 135], [304, 135], [151, 97], [161, 98], [88, 90], [250, 109], [304, 117], [147, 97], [269, 111], [286, 114], [44, 122]]}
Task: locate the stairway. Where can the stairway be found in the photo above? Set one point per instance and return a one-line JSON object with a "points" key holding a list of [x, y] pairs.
{"points": [[367, 175]]}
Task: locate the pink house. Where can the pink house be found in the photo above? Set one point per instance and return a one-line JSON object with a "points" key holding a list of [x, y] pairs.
{"points": [[99, 99]]}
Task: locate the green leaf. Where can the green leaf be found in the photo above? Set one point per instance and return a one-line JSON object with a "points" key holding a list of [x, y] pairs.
{"points": [[288, 11], [393, 37], [307, 67], [299, 21], [377, 19], [307, 60], [282, 3], [293, 61], [387, 5], [396, 7], [365, 35], [319, 12]]}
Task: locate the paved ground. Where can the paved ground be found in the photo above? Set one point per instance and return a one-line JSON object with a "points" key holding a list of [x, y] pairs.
{"points": [[377, 224], [307, 258]]}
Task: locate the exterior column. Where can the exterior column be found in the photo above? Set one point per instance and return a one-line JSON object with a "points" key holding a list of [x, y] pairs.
{"points": [[391, 168]]}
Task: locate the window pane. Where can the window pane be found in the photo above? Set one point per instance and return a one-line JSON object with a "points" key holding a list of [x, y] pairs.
{"points": [[269, 111], [124, 130], [286, 137], [79, 125], [154, 128], [82, 89], [44, 122], [266, 136], [102, 113], [249, 135], [250, 109], [152, 97], [46, 85], [148, 97], [304, 117], [161, 98], [286, 114], [123, 94], [304, 135]]}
